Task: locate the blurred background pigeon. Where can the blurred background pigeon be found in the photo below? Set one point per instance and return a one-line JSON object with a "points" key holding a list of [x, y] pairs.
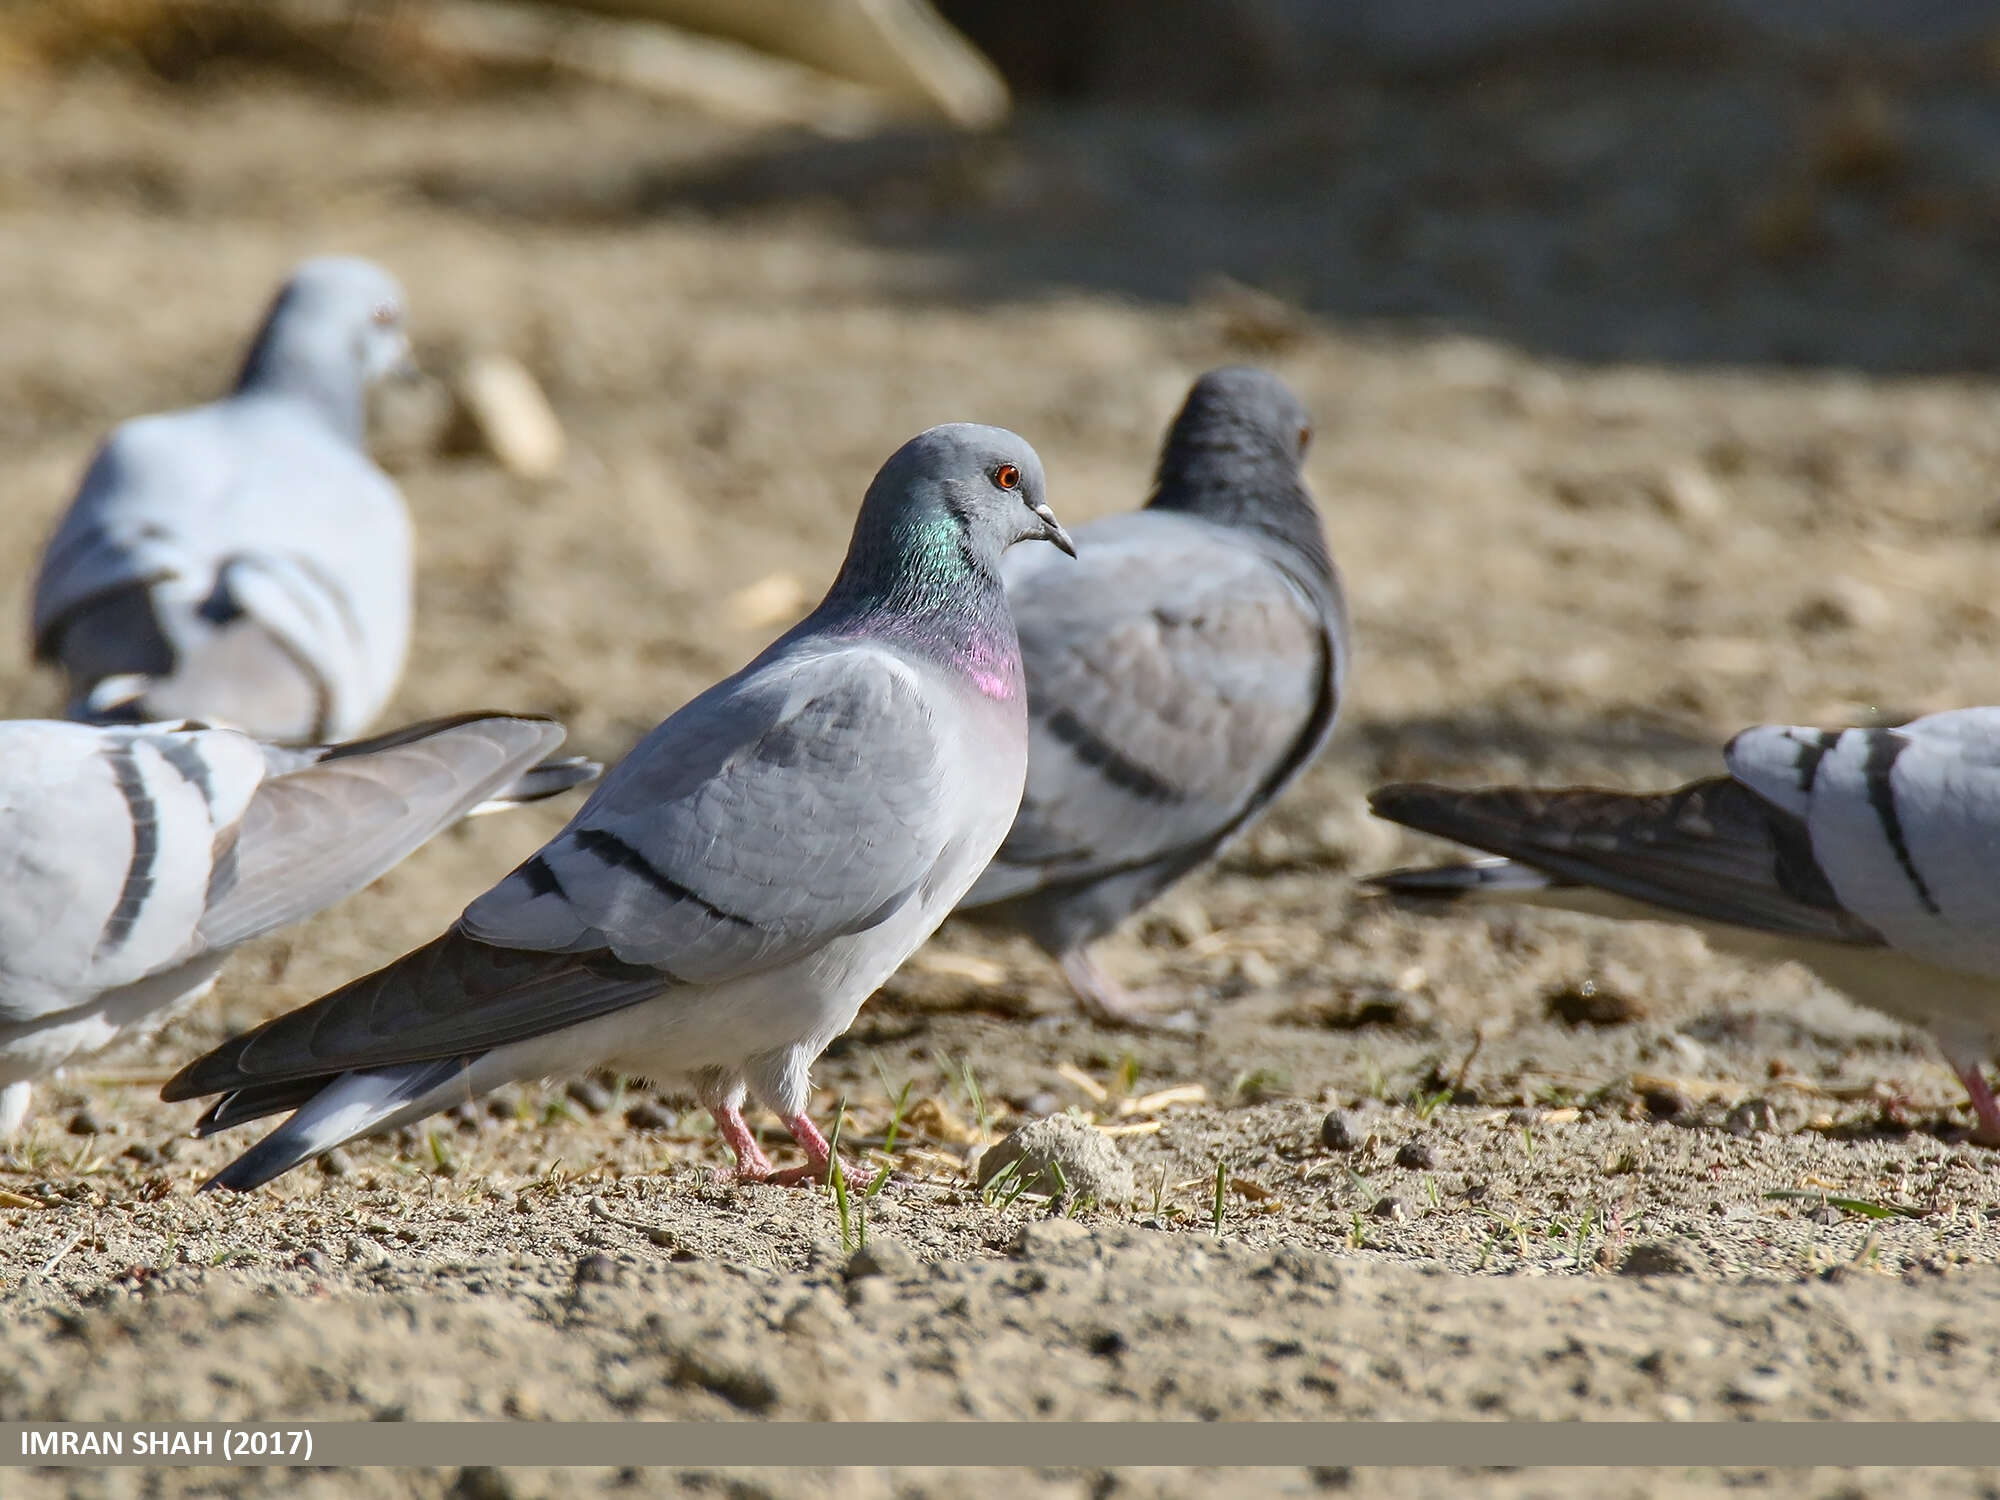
{"points": [[1179, 677], [245, 562]]}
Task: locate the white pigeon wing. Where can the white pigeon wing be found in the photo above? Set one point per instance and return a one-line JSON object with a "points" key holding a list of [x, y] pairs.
{"points": [[1906, 825]]}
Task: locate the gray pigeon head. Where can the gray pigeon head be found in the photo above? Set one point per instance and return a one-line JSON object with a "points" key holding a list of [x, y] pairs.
{"points": [[1233, 456], [1237, 418], [335, 328], [944, 507]]}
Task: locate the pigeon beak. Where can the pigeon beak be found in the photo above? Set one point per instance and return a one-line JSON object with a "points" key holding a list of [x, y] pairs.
{"points": [[1052, 530]]}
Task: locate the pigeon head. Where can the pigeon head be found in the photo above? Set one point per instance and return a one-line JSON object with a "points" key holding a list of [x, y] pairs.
{"points": [[335, 328], [925, 559], [942, 510], [1233, 455]]}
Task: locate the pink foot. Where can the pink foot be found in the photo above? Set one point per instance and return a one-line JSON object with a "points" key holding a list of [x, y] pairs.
{"points": [[1984, 1105], [1108, 1003], [752, 1165]]}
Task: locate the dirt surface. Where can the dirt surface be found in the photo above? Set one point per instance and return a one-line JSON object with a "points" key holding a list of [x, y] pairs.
{"points": [[1591, 524]]}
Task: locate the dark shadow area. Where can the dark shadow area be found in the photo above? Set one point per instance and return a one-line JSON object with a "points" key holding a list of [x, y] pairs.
{"points": [[1750, 205], [1466, 746]]}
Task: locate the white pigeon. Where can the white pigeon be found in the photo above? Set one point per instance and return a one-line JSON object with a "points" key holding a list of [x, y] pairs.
{"points": [[133, 860], [1867, 855], [736, 888], [244, 562]]}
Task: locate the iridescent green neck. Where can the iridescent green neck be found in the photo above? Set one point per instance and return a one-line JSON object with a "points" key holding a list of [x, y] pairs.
{"points": [[922, 580]]}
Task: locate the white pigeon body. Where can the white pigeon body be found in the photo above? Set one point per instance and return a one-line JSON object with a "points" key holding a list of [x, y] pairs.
{"points": [[725, 901], [1868, 855], [136, 859], [1181, 675], [245, 562]]}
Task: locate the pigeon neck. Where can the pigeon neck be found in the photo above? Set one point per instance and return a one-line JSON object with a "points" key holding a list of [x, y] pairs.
{"points": [[923, 582], [285, 362], [1233, 485]]}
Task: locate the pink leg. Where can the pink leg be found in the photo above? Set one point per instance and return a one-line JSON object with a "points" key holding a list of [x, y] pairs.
{"points": [[752, 1165], [819, 1155], [1108, 1003], [1983, 1103]]}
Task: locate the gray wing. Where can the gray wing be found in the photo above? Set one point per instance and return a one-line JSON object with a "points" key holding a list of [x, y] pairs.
{"points": [[117, 532], [800, 802], [1713, 850], [1177, 679], [319, 831]]}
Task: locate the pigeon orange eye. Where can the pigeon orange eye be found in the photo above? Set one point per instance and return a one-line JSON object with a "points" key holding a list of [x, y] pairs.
{"points": [[1305, 437], [1007, 477]]}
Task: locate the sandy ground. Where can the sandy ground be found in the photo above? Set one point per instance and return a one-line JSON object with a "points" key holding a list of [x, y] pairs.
{"points": [[1624, 443]]}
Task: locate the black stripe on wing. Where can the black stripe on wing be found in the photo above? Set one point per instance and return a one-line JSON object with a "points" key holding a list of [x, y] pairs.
{"points": [[1878, 772], [1712, 850], [453, 997]]}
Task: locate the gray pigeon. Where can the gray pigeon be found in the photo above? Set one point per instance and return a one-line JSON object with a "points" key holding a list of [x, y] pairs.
{"points": [[727, 898], [244, 562], [134, 860], [1864, 854], [1179, 677]]}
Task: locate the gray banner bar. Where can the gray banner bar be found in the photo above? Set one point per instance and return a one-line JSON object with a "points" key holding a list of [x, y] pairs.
{"points": [[1107, 1444]]}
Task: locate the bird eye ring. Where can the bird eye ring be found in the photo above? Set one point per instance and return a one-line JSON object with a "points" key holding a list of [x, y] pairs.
{"points": [[384, 314], [1007, 477]]}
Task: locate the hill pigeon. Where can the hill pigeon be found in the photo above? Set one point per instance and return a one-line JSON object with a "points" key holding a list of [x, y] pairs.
{"points": [[1864, 854], [738, 885], [1179, 677], [244, 562], [134, 860]]}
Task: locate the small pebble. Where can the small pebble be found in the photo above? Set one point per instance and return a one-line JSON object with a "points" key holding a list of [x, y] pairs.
{"points": [[1388, 1208], [83, 1122], [1416, 1156], [1337, 1132], [478, 1482], [1525, 1114], [1826, 1213], [647, 1114], [335, 1163], [596, 1270], [1751, 1117], [1667, 1103], [881, 1257], [1757, 1387], [143, 1154], [588, 1095], [501, 1106], [1657, 1258]]}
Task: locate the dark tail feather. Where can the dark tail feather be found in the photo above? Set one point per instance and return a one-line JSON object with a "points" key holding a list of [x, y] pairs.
{"points": [[549, 779], [1712, 850], [338, 1110], [1479, 877]]}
